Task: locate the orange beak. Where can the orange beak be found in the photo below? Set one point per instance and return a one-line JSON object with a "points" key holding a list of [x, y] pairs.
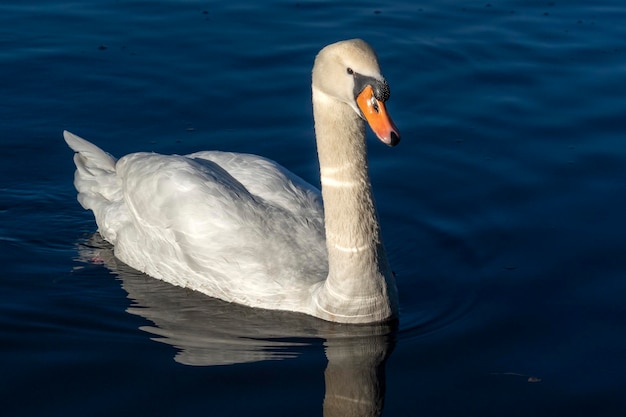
{"points": [[376, 115]]}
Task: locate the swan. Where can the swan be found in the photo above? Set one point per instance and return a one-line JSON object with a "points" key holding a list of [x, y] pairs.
{"points": [[243, 228]]}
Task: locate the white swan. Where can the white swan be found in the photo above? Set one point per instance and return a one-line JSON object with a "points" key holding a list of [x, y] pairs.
{"points": [[244, 229]]}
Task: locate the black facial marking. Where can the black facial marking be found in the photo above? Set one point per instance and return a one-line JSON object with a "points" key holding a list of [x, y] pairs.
{"points": [[381, 88]]}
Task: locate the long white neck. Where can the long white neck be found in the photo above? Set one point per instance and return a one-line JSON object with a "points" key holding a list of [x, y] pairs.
{"points": [[360, 286]]}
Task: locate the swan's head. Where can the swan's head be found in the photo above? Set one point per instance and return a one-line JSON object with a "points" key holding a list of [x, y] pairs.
{"points": [[348, 71]]}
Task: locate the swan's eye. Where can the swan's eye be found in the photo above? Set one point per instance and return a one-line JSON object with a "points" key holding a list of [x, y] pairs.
{"points": [[349, 71]]}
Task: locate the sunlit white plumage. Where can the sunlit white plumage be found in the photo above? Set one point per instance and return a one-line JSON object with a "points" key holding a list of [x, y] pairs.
{"points": [[243, 228]]}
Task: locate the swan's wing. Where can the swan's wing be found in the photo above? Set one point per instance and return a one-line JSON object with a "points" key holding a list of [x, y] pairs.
{"points": [[292, 212], [192, 219], [268, 180], [162, 190]]}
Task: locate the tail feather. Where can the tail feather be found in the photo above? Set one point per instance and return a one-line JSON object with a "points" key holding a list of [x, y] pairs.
{"points": [[99, 188], [91, 158]]}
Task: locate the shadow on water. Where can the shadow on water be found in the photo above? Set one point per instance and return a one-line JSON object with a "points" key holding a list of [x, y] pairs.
{"points": [[210, 332]]}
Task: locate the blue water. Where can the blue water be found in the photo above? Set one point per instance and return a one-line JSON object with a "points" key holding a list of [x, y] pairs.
{"points": [[502, 208]]}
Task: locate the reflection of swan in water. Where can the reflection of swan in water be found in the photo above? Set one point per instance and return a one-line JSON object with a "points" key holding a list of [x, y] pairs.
{"points": [[207, 331]]}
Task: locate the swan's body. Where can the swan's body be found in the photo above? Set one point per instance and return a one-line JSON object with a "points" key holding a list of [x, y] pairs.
{"points": [[244, 229]]}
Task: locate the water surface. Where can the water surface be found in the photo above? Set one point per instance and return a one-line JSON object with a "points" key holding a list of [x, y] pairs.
{"points": [[502, 208]]}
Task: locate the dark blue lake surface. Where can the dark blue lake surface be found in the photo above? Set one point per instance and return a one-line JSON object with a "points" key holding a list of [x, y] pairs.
{"points": [[502, 209]]}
